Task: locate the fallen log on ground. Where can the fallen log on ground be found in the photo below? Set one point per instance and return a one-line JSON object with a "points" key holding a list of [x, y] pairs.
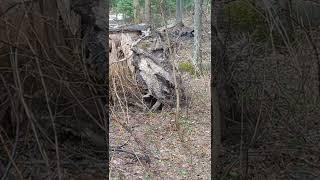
{"points": [[137, 28], [148, 63]]}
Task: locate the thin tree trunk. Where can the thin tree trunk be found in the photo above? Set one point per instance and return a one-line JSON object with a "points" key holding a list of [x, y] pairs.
{"points": [[196, 60], [181, 9], [178, 13], [141, 14], [148, 12], [136, 11]]}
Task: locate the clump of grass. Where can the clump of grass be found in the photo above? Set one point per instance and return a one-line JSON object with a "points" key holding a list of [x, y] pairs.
{"points": [[206, 67], [186, 124], [144, 45], [183, 172], [151, 114], [186, 67], [146, 177]]}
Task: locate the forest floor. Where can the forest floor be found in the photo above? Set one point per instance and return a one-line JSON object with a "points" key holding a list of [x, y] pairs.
{"points": [[155, 134]]}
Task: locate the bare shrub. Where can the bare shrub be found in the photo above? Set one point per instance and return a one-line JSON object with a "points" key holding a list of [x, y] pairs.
{"points": [[52, 92]]}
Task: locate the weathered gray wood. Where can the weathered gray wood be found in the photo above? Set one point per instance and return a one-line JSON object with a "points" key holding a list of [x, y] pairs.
{"points": [[139, 51], [151, 66], [129, 28], [196, 59], [156, 73]]}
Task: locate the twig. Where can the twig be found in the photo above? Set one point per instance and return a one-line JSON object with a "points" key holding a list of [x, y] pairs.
{"points": [[26, 107], [145, 157], [176, 86], [17, 129], [11, 159]]}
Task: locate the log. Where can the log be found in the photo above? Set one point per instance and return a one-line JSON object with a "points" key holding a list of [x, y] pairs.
{"points": [[150, 66], [153, 69], [134, 28], [176, 32]]}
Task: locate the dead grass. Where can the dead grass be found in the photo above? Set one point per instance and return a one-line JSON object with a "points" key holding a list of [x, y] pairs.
{"points": [[123, 89]]}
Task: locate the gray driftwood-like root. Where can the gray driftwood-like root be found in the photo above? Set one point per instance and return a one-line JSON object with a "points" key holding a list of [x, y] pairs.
{"points": [[155, 106], [146, 96], [150, 66]]}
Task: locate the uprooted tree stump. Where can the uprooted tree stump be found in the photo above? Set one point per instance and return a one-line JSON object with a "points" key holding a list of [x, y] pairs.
{"points": [[140, 69]]}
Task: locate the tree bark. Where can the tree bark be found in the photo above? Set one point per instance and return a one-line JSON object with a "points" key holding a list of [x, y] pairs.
{"points": [[196, 60], [178, 13], [136, 11], [148, 12]]}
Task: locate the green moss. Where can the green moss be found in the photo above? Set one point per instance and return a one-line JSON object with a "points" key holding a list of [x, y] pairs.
{"points": [[186, 67]]}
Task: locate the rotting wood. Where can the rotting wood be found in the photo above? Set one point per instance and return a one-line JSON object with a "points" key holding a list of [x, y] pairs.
{"points": [[152, 71], [138, 28], [176, 32]]}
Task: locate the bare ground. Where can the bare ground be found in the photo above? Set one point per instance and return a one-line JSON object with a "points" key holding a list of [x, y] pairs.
{"points": [[169, 158]]}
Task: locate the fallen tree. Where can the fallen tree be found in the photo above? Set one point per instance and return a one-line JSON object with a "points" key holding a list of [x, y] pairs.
{"points": [[142, 54]]}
